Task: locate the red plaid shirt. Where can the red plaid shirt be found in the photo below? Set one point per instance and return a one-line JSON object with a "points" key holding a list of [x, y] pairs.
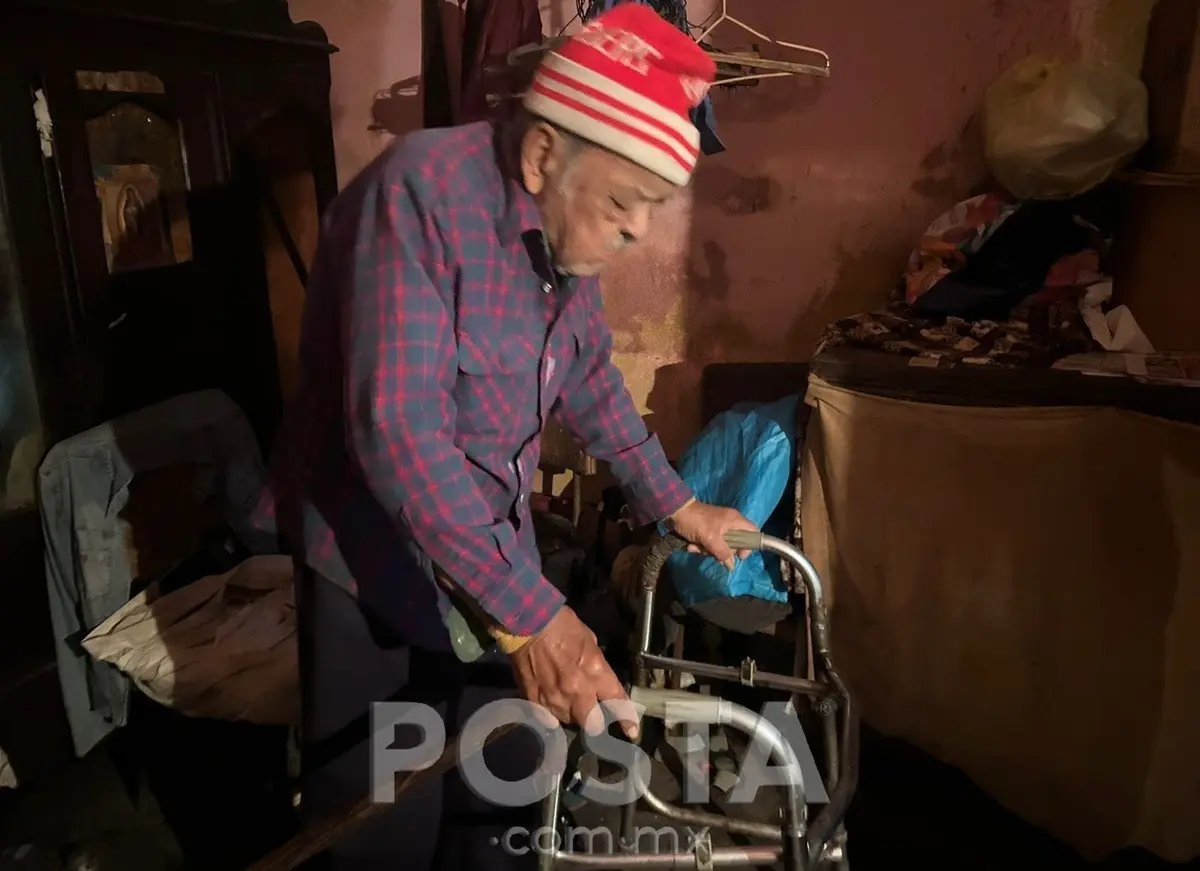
{"points": [[436, 341]]}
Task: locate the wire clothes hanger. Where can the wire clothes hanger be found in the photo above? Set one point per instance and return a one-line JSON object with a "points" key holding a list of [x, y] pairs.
{"points": [[770, 69], [732, 67]]}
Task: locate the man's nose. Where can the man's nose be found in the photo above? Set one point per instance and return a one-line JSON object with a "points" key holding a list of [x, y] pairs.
{"points": [[638, 225]]}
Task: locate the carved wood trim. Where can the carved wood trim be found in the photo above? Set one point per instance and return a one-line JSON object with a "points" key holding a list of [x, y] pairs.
{"points": [[267, 20]]}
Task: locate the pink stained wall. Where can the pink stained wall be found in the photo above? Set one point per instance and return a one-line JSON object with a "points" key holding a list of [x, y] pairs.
{"points": [[375, 73], [810, 213]]}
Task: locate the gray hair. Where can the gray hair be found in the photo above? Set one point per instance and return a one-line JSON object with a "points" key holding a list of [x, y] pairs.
{"points": [[573, 144]]}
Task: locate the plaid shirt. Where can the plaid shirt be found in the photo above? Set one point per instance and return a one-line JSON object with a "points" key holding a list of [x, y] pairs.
{"points": [[436, 341]]}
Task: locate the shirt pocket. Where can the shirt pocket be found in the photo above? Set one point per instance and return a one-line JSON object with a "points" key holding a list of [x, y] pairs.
{"points": [[572, 350], [562, 355], [497, 386]]}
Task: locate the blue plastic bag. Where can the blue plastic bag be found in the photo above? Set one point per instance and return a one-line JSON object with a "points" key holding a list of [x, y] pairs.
{"points": [[746, 459]]}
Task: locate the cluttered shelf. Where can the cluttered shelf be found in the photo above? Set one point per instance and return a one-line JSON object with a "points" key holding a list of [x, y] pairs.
{"points": [[1007, 302]]}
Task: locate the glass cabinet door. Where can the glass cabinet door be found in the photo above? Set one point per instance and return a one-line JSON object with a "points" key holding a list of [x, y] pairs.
{"points": [[164, 239], [28, 682], [139, 168], [21, 442]]}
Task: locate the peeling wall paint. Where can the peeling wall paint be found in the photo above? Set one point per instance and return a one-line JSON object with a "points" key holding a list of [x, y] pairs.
{"points": [[811, 212]]}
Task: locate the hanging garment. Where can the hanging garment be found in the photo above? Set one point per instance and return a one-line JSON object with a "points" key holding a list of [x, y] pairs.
{"points": [[85, 486], [674, 11], [437, 91], [488, 36]]}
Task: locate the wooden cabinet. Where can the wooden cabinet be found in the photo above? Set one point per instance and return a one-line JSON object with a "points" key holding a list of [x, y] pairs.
{"points": [[139, 157]]}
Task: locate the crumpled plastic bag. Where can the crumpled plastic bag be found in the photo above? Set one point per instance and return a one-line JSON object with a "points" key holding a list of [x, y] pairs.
{"points": [[745, 458], [1055, 129], [223, 646], [8, 776], [1115, 329]]}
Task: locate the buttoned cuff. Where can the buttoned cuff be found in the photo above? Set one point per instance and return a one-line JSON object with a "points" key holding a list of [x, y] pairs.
{"points": [[527, 623]]}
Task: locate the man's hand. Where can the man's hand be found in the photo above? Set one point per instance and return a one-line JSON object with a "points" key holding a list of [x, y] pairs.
{"points": [[563, 670], [704, 527]]}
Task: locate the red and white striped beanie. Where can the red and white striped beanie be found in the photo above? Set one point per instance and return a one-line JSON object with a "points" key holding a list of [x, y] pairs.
{"points": [[627, 81]]}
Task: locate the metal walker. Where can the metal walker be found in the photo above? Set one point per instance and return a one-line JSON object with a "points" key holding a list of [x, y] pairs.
{"points": [[794, 841]]}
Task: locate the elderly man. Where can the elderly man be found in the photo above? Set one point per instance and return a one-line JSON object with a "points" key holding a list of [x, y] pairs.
{"points": [[454, 305]]}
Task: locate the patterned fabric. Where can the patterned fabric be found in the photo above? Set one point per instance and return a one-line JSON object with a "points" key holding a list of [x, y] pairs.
{"points": [[958, 234], [1040, 330], [952, 238], [437, 340], [1043, 329]]}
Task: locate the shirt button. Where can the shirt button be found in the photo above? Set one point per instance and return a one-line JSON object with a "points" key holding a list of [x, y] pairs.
{"points": [[546, 288]]}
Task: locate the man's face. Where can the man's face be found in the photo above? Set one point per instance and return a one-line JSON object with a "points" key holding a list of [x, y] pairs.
{"points": [[593, 203]]}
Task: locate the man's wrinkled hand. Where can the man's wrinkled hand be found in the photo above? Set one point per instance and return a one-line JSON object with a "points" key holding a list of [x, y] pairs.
{"points": [[704, 527], [563, 670]]}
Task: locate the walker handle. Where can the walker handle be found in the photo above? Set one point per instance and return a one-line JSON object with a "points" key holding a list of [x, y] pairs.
{"points": [[744, 539]]}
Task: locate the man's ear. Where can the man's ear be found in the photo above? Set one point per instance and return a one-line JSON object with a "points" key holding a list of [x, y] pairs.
{"points": [[540, 154]]}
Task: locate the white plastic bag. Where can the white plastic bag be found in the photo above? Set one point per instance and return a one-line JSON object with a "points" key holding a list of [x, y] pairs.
{"points": [[8, 776], [223, 646], [1055, 129]]}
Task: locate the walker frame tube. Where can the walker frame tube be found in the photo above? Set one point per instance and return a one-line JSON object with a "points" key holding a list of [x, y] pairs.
{"points": [[802, 847]]}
